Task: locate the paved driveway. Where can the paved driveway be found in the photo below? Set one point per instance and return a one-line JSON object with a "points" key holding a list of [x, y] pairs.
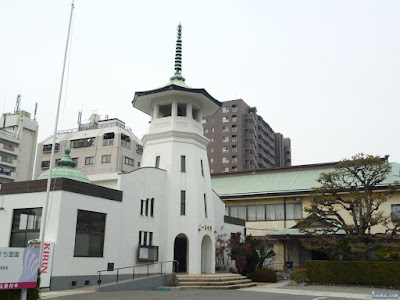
{"points": [[188, 295]]}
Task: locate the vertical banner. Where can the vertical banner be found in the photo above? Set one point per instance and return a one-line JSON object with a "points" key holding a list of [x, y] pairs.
{"points": [[18, 268], [47, 262]]}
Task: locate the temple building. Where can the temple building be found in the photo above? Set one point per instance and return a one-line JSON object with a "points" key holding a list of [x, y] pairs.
{"points": [[163, 212]]}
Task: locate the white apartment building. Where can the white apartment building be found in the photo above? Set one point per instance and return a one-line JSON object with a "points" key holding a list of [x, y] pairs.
{"points": [[100, 149], [18, 138]]}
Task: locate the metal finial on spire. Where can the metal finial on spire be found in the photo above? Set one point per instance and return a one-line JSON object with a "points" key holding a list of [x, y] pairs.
{"points": [[178, 56]]}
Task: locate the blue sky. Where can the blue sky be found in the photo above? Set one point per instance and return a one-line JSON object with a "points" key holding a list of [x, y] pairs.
{"points": [[324, 73]]}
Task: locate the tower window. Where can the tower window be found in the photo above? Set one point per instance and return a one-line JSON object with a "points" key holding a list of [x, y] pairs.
{"points": [[142, 204], [183, 163], [183, 203], [195, 114], [205, 205], [164, 111], [182, 109], [157, 161], [152, 207], [147, 207], [202, 168]]}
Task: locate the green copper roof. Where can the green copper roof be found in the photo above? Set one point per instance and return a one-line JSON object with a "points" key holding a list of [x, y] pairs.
{"points": [[178, 57], [296, 179], [294, 231], [65, 169]]}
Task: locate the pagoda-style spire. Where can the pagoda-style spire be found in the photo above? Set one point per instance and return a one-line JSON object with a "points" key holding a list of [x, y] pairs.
{"points": [[178, 56], [66, 160]]}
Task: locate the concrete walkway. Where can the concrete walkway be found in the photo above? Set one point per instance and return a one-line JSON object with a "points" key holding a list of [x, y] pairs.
{"points": [[321, 290], [275, 288]]}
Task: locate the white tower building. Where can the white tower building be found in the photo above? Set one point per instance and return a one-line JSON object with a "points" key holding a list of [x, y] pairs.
{"points": [[175, 143]]}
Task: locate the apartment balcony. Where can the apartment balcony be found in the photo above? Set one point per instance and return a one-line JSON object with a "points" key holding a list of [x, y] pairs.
{"points": [[108, 142], [248, 125], [125, 144], [7, 175], [9, 149], [249, 136], [249, 156], [8, 161]]}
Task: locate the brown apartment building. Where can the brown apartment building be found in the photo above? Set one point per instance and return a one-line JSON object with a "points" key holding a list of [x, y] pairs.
{"points": [[241, 140]]}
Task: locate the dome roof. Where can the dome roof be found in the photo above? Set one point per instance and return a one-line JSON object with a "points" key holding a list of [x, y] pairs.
{"points": [[65, 169]]}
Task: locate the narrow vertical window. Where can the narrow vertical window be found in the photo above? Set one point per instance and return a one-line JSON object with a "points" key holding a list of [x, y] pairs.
{"points": [[144, 238], [152, 207], [183, 203], [150, 239], [147, 207], [202, 168], [140, 237], [183, 163], [157, 161], [142, 207], [205, 205]]}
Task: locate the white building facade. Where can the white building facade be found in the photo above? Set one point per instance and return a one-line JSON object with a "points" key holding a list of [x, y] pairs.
{"points": [[163, 212]]}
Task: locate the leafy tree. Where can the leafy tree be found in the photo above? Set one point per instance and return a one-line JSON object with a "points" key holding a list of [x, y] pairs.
{"points": [[249, 253], [347, 205]]}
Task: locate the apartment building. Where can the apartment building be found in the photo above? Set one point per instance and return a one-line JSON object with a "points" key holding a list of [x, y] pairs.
{"points": [[240, 140], [100, 149], [18, 138]]}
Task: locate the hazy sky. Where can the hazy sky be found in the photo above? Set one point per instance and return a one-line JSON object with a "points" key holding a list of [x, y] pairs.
{"points": [[324, 73]]}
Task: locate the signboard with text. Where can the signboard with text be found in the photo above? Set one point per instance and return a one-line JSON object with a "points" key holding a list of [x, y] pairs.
{"points": [[47, 262], [18, 268]]}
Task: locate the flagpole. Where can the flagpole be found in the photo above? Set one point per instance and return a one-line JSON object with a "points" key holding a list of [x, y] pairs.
{"points": [[45, 206]]}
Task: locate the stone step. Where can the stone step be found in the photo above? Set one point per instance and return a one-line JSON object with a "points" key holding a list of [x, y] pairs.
{"points": [[222, 287], [210, 277], [213, 283]]}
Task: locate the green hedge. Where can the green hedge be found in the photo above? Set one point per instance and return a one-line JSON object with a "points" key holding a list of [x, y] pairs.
{"points": [[370, 273], [299, 276], [263, 275]]}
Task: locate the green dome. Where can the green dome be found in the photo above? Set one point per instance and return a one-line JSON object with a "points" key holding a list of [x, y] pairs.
{"points": [[65, 169]]}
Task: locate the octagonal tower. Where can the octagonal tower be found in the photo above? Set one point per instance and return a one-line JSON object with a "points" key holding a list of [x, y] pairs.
{"points": [[175, 143]]}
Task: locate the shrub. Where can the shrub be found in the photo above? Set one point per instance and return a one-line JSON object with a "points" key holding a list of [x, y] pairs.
{"points": [[299, 276], [370, 273], [263, 275], [387, 255]]}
